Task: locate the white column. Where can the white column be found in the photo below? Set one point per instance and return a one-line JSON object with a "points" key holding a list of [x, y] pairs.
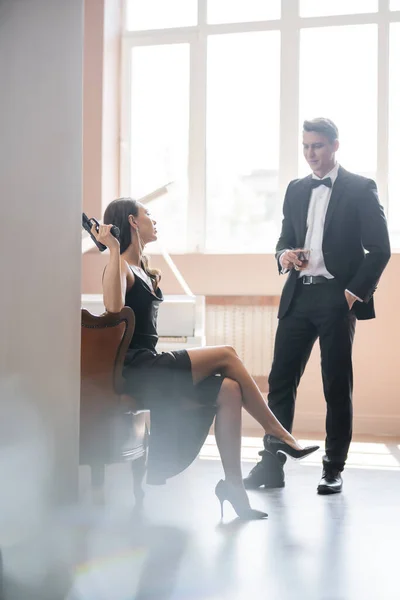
{"points": [[41, 43]]}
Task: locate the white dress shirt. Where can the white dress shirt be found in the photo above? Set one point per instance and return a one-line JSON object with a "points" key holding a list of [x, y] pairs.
{"points": [[319, 201], [317, 208]]}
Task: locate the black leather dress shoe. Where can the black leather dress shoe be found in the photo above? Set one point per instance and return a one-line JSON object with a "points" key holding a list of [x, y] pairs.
{"points": [[331, 482], [268, 473]]}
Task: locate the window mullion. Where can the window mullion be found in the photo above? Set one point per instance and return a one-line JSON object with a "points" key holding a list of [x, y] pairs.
{"points": [[196, 208], [289, 94], [125, 121], [383, 103]]}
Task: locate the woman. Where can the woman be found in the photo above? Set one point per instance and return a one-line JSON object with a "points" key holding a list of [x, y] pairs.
{"points": [[185, 389]]}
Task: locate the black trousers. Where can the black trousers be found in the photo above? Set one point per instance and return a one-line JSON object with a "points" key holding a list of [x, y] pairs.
{"points": [[317, 311]]}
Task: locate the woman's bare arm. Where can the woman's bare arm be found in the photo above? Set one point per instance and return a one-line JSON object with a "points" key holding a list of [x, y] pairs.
{"points": [[114, 283], [115, 274]]}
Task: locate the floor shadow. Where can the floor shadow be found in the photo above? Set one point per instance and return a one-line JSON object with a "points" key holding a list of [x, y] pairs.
{"points": [[394, 451], [333, 557], [165, 548], [226, 579], [119, 555]]}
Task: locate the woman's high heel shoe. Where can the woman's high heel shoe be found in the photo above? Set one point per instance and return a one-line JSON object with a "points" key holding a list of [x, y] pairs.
{"points": [[225, 491], [275, 445]]}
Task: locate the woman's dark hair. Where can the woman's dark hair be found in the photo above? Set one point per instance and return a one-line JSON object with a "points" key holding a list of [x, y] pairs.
{"points": [[117, 213], [324, 126]]}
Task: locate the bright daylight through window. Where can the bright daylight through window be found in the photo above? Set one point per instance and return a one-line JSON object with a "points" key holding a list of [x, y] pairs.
{"points": [[214, 93]]}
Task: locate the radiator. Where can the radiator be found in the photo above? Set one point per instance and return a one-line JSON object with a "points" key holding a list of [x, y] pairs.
{"points": [[248, 323]]}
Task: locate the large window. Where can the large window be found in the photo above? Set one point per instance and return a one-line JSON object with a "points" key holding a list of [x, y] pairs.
{"points": [[328, 86], [160, 14], [322, 8], [242, 141], [214, 93], [159, 135], [237, 11]]}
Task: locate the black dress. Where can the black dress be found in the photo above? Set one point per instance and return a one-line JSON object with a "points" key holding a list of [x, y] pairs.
{"points": [[180, 413]]}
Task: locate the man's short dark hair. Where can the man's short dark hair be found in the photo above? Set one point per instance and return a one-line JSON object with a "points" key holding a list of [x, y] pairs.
{"points": [[324, 126]]}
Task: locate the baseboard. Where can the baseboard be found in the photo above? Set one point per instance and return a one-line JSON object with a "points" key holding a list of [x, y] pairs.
{"points": [[375, 425]]}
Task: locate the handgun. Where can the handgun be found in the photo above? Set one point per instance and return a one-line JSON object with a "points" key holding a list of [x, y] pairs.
{"points": [[87, 224]]}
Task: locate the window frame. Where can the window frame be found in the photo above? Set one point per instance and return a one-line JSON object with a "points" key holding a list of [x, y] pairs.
{"points": [[290, 24]]}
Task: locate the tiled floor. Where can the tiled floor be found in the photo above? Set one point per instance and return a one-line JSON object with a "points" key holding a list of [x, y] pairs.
{"points": [[345, 547]]}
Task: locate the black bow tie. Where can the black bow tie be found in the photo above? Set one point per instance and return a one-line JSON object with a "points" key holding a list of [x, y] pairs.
{"points": [[317, 182]]}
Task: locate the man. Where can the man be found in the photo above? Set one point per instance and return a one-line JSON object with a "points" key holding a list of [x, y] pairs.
{"points": [[336, 216]]}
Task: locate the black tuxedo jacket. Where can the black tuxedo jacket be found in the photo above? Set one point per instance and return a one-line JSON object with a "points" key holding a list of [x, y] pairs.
{"points": [[355, 243]]}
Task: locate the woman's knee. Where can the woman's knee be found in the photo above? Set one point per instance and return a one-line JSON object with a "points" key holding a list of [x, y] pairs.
{"points": [[230, 391], [228, 354]]}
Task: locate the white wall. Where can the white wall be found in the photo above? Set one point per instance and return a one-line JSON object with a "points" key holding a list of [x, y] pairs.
{"points": [[41, 45]]}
